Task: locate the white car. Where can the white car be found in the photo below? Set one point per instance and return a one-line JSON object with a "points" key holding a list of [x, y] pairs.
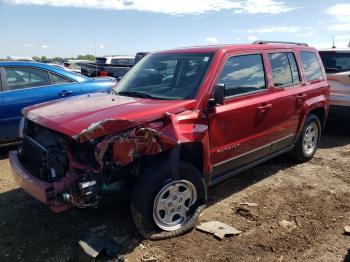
{"points": [[337, 65]]}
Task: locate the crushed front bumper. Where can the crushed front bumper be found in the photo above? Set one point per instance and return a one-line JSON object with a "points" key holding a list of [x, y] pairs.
{"points": [[47, 193]]}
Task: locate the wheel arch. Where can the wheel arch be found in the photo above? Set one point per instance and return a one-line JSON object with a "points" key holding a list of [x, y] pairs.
{"points": [[320, 112], [193, 154]]}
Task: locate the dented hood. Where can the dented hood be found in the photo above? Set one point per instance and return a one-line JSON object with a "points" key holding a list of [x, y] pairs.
{"points": [[74, 116]]}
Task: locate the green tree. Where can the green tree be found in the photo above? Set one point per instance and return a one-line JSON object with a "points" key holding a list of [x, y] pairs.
{"points": [[43, 58], [57, 59], [86, 57], [36, 58]]}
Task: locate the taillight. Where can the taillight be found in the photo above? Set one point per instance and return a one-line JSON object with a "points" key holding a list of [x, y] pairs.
{"points": [[103, 73]]}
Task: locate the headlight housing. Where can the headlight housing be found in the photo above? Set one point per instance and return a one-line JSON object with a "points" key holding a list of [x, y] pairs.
{"points": [[22, 127]]}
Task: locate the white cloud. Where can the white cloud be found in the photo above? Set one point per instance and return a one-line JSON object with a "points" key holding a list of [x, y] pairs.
{"points": [[341, 14], [340, 11], [306, 33], [342, 37], [172, 7], [211, 40], [340, 27], [252, 38], [274, 29], [45, 46], [263, 6], [101, 46], [324, 45]]}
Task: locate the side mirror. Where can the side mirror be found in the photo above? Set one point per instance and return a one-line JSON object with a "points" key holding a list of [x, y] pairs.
{"points": [[219, 95]]}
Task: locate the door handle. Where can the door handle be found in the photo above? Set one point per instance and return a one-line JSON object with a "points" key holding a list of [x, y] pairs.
{"points": [[264, 108], [301, 98], [65, 93]]}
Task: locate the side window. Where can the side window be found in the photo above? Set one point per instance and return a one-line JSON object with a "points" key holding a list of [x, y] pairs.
{"points": [[281, 71], [22, 77], [56, 79], [294, 68], [243, 74], [311, 66], [284, 69]]}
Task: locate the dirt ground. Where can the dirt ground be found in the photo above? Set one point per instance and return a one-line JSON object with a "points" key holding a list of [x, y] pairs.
{"points": [[314, 197]]}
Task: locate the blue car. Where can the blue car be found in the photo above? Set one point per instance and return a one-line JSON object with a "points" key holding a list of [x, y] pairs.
{"points": [[27, 83]]}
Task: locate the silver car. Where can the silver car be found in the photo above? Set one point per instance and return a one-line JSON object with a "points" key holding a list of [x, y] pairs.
{"points": [[337, 65]]}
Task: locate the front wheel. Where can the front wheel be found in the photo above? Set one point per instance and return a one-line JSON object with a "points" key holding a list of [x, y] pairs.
{"points": [[164, 207], [307, 144]]}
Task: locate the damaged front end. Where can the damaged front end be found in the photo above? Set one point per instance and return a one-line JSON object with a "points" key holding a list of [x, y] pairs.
{"points": [[76, 171]]}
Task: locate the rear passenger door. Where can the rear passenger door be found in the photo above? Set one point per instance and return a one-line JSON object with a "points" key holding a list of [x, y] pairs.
{"points": [[314, 78], [289, 96], [241, 130]]}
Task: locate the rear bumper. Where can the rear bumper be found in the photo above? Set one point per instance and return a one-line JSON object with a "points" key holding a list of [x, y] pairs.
{"points": [[47, 193]]}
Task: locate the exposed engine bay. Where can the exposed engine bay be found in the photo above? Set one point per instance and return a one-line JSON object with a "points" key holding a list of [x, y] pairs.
{"points": [[48, 156]]}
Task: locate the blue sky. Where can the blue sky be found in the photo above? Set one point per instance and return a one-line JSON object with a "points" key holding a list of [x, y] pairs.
{"points": [[65, 27]]}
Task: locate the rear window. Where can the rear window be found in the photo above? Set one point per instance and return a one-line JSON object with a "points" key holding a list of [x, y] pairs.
{"points": [[311, 66], [56, 79], [100, 60], [335, 61], [122, 61]]}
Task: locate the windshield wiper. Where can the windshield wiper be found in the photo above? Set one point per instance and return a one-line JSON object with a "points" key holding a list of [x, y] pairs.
{"points": [[136, 94]]}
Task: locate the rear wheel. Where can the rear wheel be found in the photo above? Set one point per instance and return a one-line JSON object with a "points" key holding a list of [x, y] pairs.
{"points": [[164, 207], [307, 144]]}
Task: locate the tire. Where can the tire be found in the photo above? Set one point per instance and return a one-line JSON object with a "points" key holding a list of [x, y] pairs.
{"points": [[151, 190], [307, 144]]}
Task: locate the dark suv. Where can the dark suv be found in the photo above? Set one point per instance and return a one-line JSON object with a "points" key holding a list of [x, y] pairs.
{"points": [[179, 121]]}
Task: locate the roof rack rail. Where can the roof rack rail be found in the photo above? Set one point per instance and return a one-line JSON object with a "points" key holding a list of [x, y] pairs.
{"points": [[260, 42]]}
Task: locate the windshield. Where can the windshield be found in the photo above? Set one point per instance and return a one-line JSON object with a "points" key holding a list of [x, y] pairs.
{"points": [[166, 76], [335, 61]]}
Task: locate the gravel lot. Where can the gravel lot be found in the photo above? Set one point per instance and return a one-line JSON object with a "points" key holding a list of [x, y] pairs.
{"points": [[314, 197]]}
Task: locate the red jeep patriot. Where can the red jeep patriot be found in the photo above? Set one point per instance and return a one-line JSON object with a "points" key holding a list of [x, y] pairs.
{"points": [[178, 122]]}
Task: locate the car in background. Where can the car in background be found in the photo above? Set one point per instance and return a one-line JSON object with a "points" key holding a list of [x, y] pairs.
{"points": [[74, 64], [337, 65], [139, 56], [27, 83], [115, 66]]}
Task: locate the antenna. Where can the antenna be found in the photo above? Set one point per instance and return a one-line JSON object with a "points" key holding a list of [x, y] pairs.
{"points": [[333, 46]]}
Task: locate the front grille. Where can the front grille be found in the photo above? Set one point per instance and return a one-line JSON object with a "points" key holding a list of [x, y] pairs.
{"points": [[43, 153], [33, 157]]}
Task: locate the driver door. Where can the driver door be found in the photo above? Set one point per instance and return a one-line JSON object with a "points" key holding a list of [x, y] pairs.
{"points": [[241, 130]]}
